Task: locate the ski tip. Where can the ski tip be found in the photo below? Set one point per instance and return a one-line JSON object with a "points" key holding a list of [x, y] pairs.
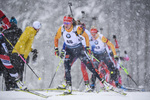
{"points": [[39, 78]]}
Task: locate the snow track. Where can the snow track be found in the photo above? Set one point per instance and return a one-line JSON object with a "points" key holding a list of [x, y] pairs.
{"points": [[16, 95]]}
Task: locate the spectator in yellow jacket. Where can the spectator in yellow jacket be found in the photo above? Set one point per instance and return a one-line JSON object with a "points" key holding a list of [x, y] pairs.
{"points": [[23, 46]]}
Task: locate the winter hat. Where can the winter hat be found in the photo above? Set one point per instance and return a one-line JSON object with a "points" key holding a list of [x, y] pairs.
{"points": [[93, 30], [13, 19], [36, 25], [67, 19]]}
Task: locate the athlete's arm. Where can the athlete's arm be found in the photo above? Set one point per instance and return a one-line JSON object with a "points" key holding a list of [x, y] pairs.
{"points": [[57, 37], [80, 32], [105, 40]]}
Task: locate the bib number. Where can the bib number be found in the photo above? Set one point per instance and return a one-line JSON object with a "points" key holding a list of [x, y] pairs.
{"points": [[97, 47], [69, 41]]}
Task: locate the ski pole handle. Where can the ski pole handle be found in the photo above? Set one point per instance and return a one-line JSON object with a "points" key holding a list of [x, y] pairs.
{"points": [[125, 70], [95, 58]]}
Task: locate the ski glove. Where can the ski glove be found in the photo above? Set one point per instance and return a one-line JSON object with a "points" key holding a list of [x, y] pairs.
{"points": [[114, 36], [34, 57], [56, 52], [116, 58], [34, 51], [62, 54], [125, 52], [88, 50]]}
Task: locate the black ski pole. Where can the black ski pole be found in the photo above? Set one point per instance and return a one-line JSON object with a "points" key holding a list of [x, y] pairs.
{"points": [[2, 82], [70, 4], [83, 13], [94, 18], [101, 29], [128, 74], [125, 70], [25, 69], [22, 57], [132, 79], [94, 22]]}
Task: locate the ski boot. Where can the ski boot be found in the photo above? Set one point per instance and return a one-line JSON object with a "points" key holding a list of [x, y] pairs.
{"points": [[20, 84], [68, 89], [107, 86], [62, 86], [15, 78], [88, 89]]}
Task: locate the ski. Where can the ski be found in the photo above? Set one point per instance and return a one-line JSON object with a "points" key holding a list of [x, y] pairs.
{"points": [[64, 94], [119, 91], [132, 89], [46, 89], [35, 93], [67, 94], [50, 89], [116, 90]]}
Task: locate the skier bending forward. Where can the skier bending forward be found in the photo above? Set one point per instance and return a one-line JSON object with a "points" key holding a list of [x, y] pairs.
{"points": [[71, 34]]}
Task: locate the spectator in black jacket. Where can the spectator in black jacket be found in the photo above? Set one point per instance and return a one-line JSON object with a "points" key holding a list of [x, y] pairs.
{"points": [[12, 34]]}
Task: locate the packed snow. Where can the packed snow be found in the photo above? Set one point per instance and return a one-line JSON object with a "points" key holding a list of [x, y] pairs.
{"points": [[14, 95]]}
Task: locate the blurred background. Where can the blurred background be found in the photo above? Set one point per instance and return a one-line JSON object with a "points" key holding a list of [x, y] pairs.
{"points": [[129, 20]]}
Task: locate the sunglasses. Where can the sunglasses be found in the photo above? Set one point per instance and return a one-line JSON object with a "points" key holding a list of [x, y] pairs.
{"points": [[67, 23]]}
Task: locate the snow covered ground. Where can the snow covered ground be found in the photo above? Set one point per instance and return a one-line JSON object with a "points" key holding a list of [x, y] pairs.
{"points": [[14, 95]]}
